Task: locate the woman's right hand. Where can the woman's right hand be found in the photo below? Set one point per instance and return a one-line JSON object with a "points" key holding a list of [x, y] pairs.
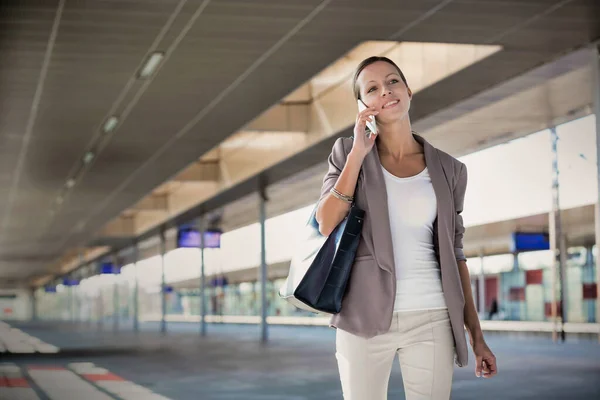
{"points": [[362, 143]]}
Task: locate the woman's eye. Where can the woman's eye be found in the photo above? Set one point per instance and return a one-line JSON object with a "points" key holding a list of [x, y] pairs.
{"points": [[394, 81], [371, 89]]}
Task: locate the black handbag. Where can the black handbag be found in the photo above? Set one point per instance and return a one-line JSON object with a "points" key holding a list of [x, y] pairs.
{"points": [[321, 267]]}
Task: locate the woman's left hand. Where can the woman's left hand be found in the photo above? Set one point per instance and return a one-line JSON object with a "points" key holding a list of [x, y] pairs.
{"points": [[485, 360]]}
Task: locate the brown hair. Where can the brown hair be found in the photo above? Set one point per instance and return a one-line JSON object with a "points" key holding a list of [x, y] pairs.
{"points": [[365, 63]]}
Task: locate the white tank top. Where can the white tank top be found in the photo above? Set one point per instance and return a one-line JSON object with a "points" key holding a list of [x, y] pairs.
{"points": [[412, 207]]}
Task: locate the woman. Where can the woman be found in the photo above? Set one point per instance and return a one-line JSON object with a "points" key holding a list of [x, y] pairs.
{"points": [[409, 292]]}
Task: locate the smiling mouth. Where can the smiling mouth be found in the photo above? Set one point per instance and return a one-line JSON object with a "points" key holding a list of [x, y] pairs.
{"points": [[390, 104]]}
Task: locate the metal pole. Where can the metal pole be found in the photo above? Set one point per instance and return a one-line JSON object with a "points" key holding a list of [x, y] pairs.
{"points": [[136, 318], [75, 302], [556, 239], [91, 304], [263, 263], [596, 98], [70, 294], [81, 302], [33, 305], [163, 321], [200, 224], [481, 287], [101, 308], [116, 304], [564, 287]]}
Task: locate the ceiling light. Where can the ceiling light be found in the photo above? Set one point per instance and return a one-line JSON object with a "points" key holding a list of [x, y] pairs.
{"points": [[151, 64], [88, 157], [110, 124], [70, 183]]}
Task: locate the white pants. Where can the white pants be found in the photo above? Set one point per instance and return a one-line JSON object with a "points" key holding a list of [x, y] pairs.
{"points": [[425, 346]]}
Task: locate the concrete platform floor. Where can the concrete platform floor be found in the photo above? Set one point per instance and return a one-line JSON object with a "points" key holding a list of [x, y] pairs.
{"points": [[297, 363]]}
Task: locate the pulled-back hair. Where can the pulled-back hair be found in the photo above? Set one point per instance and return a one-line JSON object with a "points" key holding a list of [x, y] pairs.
{"points": [[365, 63]]}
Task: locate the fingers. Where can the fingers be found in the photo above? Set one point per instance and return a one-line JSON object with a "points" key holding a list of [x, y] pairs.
{"points": [[366, 114], [491, 368], [478, 366], [362, 120], [361, 123]]}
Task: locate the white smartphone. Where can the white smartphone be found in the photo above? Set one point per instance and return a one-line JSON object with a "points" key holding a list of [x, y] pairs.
{"points": [[372, 126]]}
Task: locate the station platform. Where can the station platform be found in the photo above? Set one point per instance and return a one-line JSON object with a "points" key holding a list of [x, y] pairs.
{"points": [[92, 362], [590, 330]]}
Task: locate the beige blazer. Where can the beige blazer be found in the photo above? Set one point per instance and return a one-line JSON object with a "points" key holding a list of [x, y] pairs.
{"points": [[368, 304]]}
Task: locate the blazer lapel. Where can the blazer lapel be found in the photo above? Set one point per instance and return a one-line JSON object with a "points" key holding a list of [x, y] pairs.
{"points": [[439, 181], [377, 213], [375, 193]]}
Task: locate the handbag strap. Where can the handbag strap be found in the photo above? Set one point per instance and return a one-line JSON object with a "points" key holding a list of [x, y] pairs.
{"points": [[356, 188]]}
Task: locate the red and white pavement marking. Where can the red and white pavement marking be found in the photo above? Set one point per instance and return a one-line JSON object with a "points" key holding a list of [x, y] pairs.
{"points": [[14, 340], [59, 383], [13, 385], [114, 384], [82, 380]]}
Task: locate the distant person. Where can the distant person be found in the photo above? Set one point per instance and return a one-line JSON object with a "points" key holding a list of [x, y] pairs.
{"points": [[397, 300], [493, 308]]}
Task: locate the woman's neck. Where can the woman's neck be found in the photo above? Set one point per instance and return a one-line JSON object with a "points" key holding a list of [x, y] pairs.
{"points": [[396, 140]]}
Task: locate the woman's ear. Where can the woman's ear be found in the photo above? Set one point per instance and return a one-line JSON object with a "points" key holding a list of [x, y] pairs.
{"points": [[409, 93]]}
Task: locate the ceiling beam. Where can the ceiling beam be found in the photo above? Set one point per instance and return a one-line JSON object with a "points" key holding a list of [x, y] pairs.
{"points": [[119, 227], [283, 117], [153, 203], [201, 171]]}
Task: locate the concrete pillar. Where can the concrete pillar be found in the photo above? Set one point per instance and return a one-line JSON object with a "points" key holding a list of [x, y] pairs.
{"points": [[263, 263]]}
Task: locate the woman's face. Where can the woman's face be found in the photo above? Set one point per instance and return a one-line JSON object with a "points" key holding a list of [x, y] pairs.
{"points": [[381, 86]]}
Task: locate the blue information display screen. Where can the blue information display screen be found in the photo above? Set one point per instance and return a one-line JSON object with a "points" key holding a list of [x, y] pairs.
{"points": [[109, 268], [212, 239], [190, 237], [530, 241]]}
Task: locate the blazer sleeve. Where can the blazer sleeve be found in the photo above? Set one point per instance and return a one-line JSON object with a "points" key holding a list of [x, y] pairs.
{"points": [[336, 161], [459, 199]]}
